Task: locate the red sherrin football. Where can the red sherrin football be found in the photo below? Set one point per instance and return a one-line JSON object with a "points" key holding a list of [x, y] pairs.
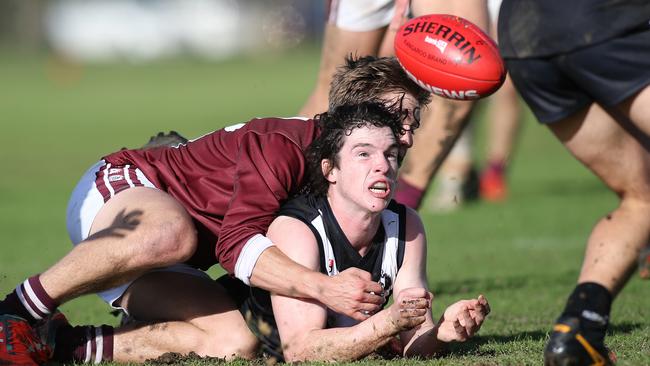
{"points": [[450, 57]]}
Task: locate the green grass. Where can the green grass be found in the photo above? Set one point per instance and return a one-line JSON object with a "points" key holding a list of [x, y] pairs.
{"points": [[524, 254]]}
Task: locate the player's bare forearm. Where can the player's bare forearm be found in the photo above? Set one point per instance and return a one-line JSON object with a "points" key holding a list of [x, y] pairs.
{"points": [[342, 344], [441, 126], [277, 273], [352, 292], [408, 313]]}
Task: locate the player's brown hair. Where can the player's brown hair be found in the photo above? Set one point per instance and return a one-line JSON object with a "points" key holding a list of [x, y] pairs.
{"points": [[368, 79]]}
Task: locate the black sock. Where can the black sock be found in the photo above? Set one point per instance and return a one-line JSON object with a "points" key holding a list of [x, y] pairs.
{"points": [[591, 303]]}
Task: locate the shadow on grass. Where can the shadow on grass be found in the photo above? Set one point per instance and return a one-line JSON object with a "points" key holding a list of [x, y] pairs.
{"points": [[473, 346], [483, 284], [624, 327]]}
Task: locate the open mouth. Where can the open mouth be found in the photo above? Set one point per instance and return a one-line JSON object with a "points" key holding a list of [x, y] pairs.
{"points": [[380, 189]]}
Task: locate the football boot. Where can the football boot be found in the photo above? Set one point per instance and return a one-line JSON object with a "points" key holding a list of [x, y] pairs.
{"points": [[493, 186], [20, 344], [173, 139], [567, 346]]}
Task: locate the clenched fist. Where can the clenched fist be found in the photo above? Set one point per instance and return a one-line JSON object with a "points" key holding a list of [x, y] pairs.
{"points": [[409, 309]]}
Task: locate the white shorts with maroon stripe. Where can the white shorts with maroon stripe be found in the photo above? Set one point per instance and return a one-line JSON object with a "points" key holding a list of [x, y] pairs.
{"points": [[99, 184], [360, 15]]}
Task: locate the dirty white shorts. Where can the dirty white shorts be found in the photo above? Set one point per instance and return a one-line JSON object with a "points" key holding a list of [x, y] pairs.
{"points": [[99, 184]]}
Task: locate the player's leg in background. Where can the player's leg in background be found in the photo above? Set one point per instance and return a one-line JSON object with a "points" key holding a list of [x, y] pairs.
{"points": [[623, 164], [453, 180], [638, 111], [340, 41], [596, 139], [400, 16], [504, 116], [613, 140], [442, 120], [612, 264]]}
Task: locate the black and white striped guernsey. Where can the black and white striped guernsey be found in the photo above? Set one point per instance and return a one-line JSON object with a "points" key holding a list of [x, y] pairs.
{"points": [[382, 260]]}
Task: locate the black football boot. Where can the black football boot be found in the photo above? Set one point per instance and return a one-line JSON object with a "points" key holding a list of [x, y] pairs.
{"points": [[568, 346]]}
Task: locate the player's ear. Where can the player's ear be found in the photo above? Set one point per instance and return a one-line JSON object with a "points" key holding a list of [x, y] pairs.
{"points": [[328, 170]]}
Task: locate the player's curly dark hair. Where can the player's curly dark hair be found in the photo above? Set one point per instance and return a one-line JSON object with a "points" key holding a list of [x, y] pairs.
{"points": [[334, 126]]}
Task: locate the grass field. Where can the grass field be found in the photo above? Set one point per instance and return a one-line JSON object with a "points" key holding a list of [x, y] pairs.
{"points": [[57, 119]]}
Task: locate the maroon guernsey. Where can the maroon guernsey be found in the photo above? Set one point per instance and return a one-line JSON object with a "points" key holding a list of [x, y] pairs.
{"points": [[231, 181]]}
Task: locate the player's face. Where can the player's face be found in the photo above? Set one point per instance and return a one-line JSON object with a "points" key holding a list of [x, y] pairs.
{"points": [[367, 171], [410, 114]]}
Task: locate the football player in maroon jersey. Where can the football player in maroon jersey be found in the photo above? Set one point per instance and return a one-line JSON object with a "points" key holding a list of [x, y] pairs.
{"points": [[146, 222]]}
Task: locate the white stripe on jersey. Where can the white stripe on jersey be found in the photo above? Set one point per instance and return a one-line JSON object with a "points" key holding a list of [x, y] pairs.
{"points": [[327, 246], [390, 220]]}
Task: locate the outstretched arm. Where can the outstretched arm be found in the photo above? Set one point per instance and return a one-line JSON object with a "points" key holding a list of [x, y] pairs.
{"points": [[351, 292], [305, 338], [460, 320]]}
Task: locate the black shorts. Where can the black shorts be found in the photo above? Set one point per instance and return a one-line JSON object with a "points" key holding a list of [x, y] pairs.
{"points": [[255, 306], [606, 73]]}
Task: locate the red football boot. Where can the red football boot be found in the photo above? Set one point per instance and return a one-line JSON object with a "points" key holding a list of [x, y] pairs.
{"points": [[20, 345], [492, 185]]}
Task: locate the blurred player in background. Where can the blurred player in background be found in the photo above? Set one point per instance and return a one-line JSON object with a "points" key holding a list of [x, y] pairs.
{"points": [[368, 27], [458, 180], [146, 222], [358, 28], [586, 77], [504, 117], [336, 226]]}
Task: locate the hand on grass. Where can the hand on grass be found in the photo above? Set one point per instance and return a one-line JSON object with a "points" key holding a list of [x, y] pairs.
{"points": [[463, 319]]}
